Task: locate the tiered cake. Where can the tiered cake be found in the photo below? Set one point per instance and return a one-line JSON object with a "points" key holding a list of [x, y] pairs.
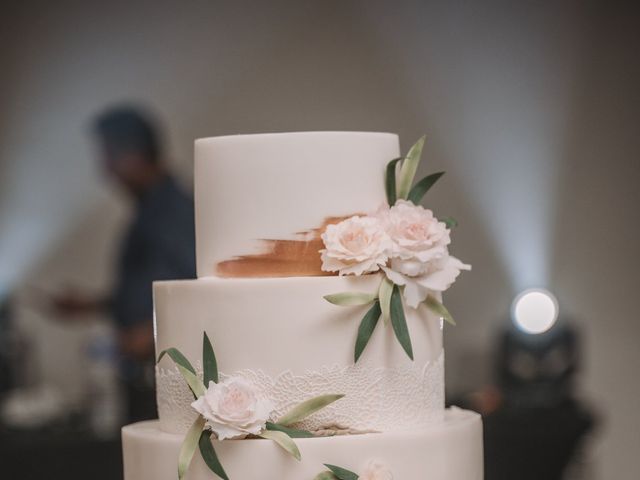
{"points": [[265, 207]]}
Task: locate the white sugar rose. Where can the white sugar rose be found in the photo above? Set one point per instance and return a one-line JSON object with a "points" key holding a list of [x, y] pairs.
{"points": [[419, 254], [355, 246], [417, 237], [376, 471], [233, 408], [441, 274]]}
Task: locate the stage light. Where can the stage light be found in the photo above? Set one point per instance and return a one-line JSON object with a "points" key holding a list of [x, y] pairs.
{"points": [[535, 311]]}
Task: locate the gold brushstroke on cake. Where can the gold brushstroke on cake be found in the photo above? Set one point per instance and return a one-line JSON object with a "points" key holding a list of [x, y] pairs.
{"points": [[282, 258]]}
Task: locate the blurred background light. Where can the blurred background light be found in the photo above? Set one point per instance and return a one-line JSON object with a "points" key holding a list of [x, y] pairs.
{"points": [[535, 311]]}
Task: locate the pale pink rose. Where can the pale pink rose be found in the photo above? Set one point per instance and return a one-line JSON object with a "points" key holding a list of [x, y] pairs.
{"points": [[376, 471], [417, 237], [419, 254], [355, 246], [233, 408]]}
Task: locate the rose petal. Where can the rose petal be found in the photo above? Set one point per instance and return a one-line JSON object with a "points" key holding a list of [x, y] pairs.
{"points": [[394, 276], [414, 293], [329, 263], [360, 268], [441, 279], [376, 470], [412, 268]]}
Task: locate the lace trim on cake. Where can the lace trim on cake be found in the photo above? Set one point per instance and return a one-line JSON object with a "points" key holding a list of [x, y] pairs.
{"points": [[376, 398]]}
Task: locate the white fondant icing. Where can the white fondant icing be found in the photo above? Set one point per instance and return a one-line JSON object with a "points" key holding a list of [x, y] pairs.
{"points": [[271, 186], [447, 450], [264, 327], [376, 398]]}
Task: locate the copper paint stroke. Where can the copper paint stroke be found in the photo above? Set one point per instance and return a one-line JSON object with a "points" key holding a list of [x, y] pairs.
{"points": [[282, 258]]}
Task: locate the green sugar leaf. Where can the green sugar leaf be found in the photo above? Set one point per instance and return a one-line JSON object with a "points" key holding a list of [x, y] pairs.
{"points": [[186, 370], [390, 181], [308, 407], [189, 446], [209, 455], [399, 323], [195, 384], [422, 187], [439, 309], [350, 299], [177, 356], [450, 222], [366, 328], [409, 167], [292, 432], [284, 441], [209, 363], [384, 294], [342, 473], [326, 475]]}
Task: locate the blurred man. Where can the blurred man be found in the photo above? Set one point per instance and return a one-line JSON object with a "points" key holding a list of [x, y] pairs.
{"points": [[158, 245]]}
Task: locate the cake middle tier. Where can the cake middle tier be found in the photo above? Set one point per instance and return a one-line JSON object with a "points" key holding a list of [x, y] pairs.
{"points": [[286, 339]]}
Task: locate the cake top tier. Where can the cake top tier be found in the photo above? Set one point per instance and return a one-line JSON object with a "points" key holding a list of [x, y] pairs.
{"points": [[262, 200]]}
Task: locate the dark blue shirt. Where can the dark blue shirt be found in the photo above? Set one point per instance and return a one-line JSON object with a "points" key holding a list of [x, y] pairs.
{"points": [[159, 245]]}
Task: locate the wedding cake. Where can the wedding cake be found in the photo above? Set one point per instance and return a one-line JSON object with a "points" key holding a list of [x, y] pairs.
{"points": [[310, 346]]}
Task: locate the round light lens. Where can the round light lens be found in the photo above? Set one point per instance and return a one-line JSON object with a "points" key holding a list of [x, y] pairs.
{"points": [[535, 311]]}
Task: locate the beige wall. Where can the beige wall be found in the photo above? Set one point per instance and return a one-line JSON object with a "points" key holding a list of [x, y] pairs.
{"points": [[532, 110]]}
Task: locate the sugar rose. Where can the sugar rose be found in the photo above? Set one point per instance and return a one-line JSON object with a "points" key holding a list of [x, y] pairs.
{"points": [[376, 471], [233, 408], [417, 237], [355, 246], [419, 255]]}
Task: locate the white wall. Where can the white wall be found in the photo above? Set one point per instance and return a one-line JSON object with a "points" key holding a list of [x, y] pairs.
{"points": [[532, 110]]}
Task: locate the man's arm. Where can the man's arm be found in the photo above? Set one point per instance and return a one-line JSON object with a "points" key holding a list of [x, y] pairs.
{"points": [[136, 341]]}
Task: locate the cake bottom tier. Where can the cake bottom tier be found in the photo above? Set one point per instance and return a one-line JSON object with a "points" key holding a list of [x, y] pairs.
{"points": [[448, 450]]}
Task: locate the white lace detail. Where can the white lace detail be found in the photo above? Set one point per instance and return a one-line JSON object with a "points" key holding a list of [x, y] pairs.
{"points": [[376, 398]]}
